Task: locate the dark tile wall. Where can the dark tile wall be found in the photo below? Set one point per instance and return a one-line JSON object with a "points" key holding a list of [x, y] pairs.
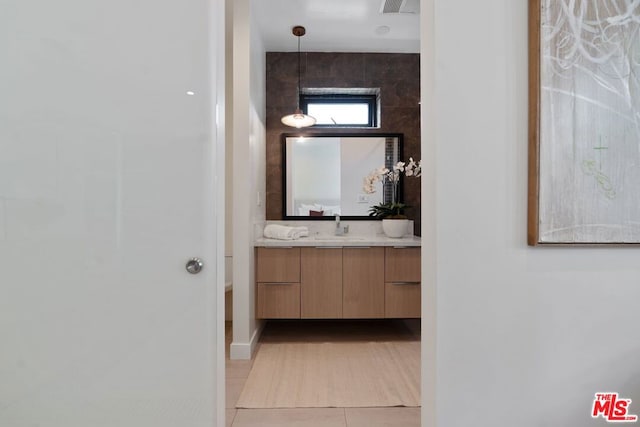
{"points": [[398, 77]]}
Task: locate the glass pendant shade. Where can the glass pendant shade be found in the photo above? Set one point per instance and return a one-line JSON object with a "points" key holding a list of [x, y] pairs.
{"points": [[298, 119]]}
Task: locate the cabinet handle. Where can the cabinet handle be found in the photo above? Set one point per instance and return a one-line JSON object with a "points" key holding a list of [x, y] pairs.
{"points": [[276, 247], [405, 247], [405, 283], [327, 247], [278, 283], [357, 247]]}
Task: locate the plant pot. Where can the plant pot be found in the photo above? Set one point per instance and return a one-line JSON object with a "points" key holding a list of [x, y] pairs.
{"points": [[395, 227]]}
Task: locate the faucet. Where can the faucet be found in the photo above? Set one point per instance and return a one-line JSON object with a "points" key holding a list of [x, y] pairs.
{"points": [[340, 231]]}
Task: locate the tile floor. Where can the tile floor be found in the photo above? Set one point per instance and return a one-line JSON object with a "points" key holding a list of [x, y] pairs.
{"points": [[238, 371]]}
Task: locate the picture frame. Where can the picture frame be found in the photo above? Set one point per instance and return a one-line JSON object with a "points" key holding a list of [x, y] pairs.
{"points": [[584, 122]]}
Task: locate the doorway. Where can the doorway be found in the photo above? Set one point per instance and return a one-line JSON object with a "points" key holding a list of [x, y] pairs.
{"points": [[251, 327]]}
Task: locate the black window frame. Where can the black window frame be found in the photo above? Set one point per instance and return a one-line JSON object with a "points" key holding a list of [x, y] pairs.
{"points": [[370, 99]]}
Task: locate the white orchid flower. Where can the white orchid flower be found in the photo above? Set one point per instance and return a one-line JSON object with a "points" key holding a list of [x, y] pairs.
{"points": [[383, 174], [369, 189], [409, 169], [399, 167], [382, 171]]}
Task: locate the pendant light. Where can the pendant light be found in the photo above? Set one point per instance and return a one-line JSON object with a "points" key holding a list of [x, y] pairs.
{"points": [[298, 119]]}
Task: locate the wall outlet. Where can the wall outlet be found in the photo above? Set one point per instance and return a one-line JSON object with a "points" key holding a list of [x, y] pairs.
{"points": [[363, 198], [258, 200]]}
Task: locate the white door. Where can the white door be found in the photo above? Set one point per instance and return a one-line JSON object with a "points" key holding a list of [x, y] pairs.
{"points": [[108, 146]]}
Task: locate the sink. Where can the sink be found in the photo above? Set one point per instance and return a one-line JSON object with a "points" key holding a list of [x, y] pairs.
{"points": [[334, 237]]}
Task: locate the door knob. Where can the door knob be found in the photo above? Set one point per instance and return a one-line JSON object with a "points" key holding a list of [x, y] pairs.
{"points": [[194, 265]]}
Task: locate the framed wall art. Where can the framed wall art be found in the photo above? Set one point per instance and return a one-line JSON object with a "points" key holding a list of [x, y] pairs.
{"points": [[584, 122]]}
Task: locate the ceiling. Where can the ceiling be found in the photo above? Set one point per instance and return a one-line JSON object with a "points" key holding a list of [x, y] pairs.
{"points": [[339, 25]]}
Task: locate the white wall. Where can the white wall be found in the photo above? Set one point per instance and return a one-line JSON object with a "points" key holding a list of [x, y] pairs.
{"points": [[258, 164], [248, 171], [228, 235], [525, 336]]}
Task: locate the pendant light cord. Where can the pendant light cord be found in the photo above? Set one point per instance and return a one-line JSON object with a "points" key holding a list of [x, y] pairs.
{"points": [[298, 119], [298, 97]]}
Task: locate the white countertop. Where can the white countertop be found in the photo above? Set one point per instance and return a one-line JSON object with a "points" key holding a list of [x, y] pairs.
{"points": [[324, 240], [321, 234]]}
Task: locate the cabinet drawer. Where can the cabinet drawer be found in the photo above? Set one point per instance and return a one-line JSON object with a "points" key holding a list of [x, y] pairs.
{"points": [[402, 299], [278, 265], [402, 264], [278, 301]]}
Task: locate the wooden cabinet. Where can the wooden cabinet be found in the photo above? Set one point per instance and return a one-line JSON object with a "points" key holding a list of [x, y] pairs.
{"points": [[335, 283], [321, 283], [362, 283], [278, 283], [402, 264], [278, 265], [402, 293], [278, 301]]}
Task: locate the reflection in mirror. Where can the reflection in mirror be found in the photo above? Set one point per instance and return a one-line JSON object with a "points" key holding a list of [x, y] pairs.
{"points": [[324, 174]]}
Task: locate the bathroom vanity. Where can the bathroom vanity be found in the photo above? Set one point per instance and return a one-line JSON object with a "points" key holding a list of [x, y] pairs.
{"points": [[330, 277]]}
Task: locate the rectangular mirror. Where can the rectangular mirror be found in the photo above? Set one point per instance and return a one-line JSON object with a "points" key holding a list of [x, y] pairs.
{"points": [[324, 173]]}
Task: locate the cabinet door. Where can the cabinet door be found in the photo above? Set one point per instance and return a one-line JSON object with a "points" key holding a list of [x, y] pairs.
{"points": [[363, 283], [278, 301], [321, 283], [402, 287], [278, 265], [402, 264], [402, 299]]}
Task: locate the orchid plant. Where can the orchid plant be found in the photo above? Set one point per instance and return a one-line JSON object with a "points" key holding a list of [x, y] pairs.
{"points": [[392, 209]]}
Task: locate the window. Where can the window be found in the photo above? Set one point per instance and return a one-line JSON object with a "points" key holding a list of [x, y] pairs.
{"points": [[341, 110]]}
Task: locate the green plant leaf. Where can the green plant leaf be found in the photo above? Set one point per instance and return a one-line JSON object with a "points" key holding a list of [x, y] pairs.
{"points": [[387, 210]]}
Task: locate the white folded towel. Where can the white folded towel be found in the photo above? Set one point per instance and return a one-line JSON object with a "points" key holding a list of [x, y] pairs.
{"points": [[282, 232], [301, 231]]}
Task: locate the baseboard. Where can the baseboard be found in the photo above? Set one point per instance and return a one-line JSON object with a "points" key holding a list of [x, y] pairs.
{"points": [[244, 351]]}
